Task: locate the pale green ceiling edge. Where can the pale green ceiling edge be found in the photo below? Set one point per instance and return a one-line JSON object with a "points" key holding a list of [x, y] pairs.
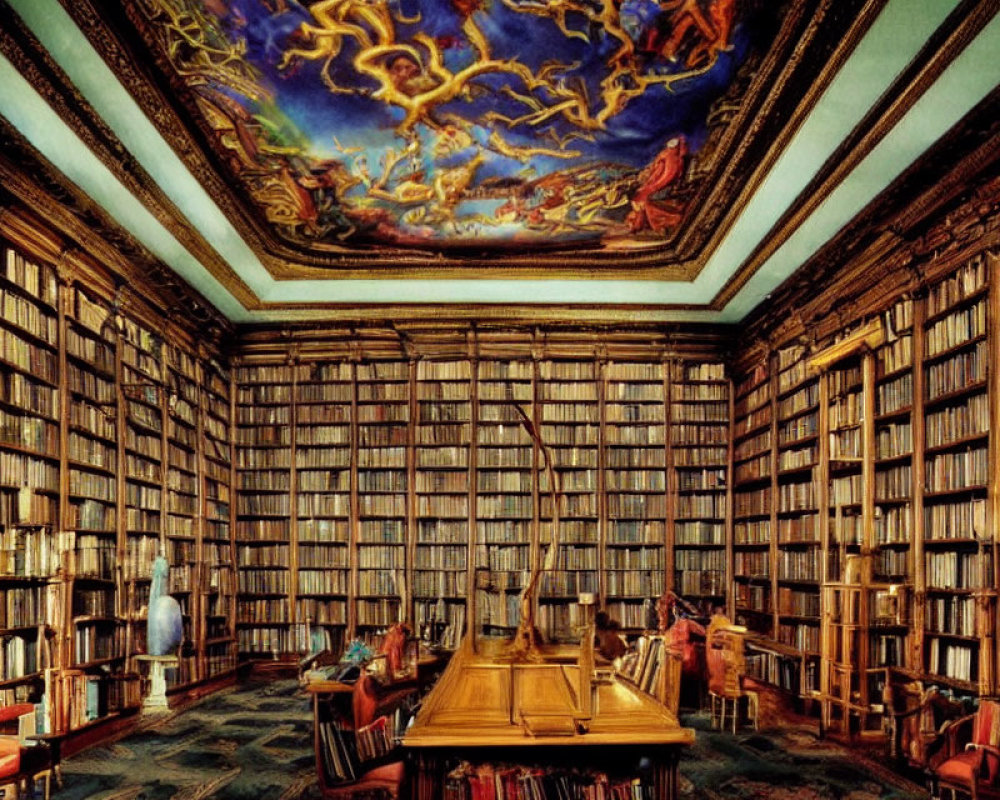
{"points": [[889, 46]]}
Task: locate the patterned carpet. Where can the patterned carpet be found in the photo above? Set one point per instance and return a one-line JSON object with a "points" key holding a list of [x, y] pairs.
{"points": [[792, 763], [255, 741]]}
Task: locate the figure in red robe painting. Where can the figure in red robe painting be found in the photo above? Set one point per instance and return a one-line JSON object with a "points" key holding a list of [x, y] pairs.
{"points": [[661, 172]]}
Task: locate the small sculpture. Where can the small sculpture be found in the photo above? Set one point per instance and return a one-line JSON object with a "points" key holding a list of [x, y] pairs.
{"points": [[164, 628]]}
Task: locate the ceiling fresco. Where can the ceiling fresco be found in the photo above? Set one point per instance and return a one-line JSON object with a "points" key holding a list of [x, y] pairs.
{"points": [[498, 125]]}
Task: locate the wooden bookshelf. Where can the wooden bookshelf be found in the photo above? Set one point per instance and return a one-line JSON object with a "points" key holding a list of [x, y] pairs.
{"points": [[506, 492], [635, 489], [752, 475], [568, 416], [217, 581], [699, 458], [323, 413], [264, 453], [958, 547], [382, 589], [800, 560], [32, 605], [442, 489]]}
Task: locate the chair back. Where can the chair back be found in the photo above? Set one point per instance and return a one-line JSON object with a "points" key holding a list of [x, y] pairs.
{"points": [[363, 700], [986, 731], [726, 663], [687, 637]]}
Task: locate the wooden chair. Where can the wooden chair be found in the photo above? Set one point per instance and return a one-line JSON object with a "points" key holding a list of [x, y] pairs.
{"points": [[22, 763], [915, 715], [969, 763], [726, 666], [381, 779]]}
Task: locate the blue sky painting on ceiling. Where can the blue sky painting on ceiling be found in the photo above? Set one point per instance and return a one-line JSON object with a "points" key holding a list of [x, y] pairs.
{"points": [[461, 123]]}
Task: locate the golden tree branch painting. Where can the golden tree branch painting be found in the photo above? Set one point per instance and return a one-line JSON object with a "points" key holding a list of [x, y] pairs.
{"points": [[437, 123]]}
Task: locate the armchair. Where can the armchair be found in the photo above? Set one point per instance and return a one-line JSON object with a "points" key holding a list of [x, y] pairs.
{"points": [[378, 778], [970, 760], [22, 763], [915, 716]]}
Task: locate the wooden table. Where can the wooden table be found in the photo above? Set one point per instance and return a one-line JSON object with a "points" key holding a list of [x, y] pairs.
{"points": [[485, 710]]}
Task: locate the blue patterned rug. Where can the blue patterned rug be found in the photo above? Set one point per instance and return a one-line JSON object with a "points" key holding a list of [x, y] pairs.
{"points": [[792, 763], [255, 741]]}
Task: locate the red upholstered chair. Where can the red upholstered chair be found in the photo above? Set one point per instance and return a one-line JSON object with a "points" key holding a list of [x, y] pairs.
{"points": [[10, 763], [380, 780], [21, 763], [970, 760]]}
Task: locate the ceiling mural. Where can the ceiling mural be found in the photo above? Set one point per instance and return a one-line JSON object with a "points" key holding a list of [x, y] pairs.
{"points": [[491, 124]]}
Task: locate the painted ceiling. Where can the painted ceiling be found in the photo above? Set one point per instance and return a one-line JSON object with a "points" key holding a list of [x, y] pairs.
{"points": [[497, 124], [671, 160]]}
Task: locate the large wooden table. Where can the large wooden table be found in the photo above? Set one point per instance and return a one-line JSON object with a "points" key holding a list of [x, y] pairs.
{"points": [[485, 710]]}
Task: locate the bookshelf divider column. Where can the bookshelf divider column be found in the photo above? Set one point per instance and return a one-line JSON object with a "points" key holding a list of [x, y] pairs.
{"points": [[355, 519], [65, 522], [773, 550], [670, 484], [472, 604], [728, 530], [297, 638], [918, 603], [602, 498], [993, 508], [408, 611]]}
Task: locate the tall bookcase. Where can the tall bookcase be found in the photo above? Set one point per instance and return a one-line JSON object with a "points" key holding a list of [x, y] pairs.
{"points": [[795, 517], [506, 492], [100, 458], [753, 472], [182, 507], [635, 489], [218, 572], [263, 444], [384, 459], [442, 488], [883, 491], [32, 609], [568, 419], [958, 539], [324, 401], [700, 456]]}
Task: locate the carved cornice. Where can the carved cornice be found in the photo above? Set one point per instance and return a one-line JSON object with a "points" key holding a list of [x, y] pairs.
{"points": [[57, 223], [38, 68], [898, 261], [410, 340], [934, 58]]}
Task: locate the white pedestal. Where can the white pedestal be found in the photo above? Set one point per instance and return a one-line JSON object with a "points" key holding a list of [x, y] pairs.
{"points": [[156, 701]]}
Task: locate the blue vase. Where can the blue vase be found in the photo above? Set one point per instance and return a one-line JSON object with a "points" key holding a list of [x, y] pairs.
{"points": [[164, 626]]}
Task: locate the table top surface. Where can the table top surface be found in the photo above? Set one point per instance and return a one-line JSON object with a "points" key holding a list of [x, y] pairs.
{"points": [[484, 701]]}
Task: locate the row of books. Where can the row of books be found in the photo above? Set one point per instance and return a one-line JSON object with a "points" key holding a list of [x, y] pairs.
{"points": [[34, 359], [751, 532], [26, 394], [896, 354], [957, 328], [687, 434], [262, 610], [800, 528], [955, 423], [895, 395], [964, 282], [964, 369], [37, 280]]}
